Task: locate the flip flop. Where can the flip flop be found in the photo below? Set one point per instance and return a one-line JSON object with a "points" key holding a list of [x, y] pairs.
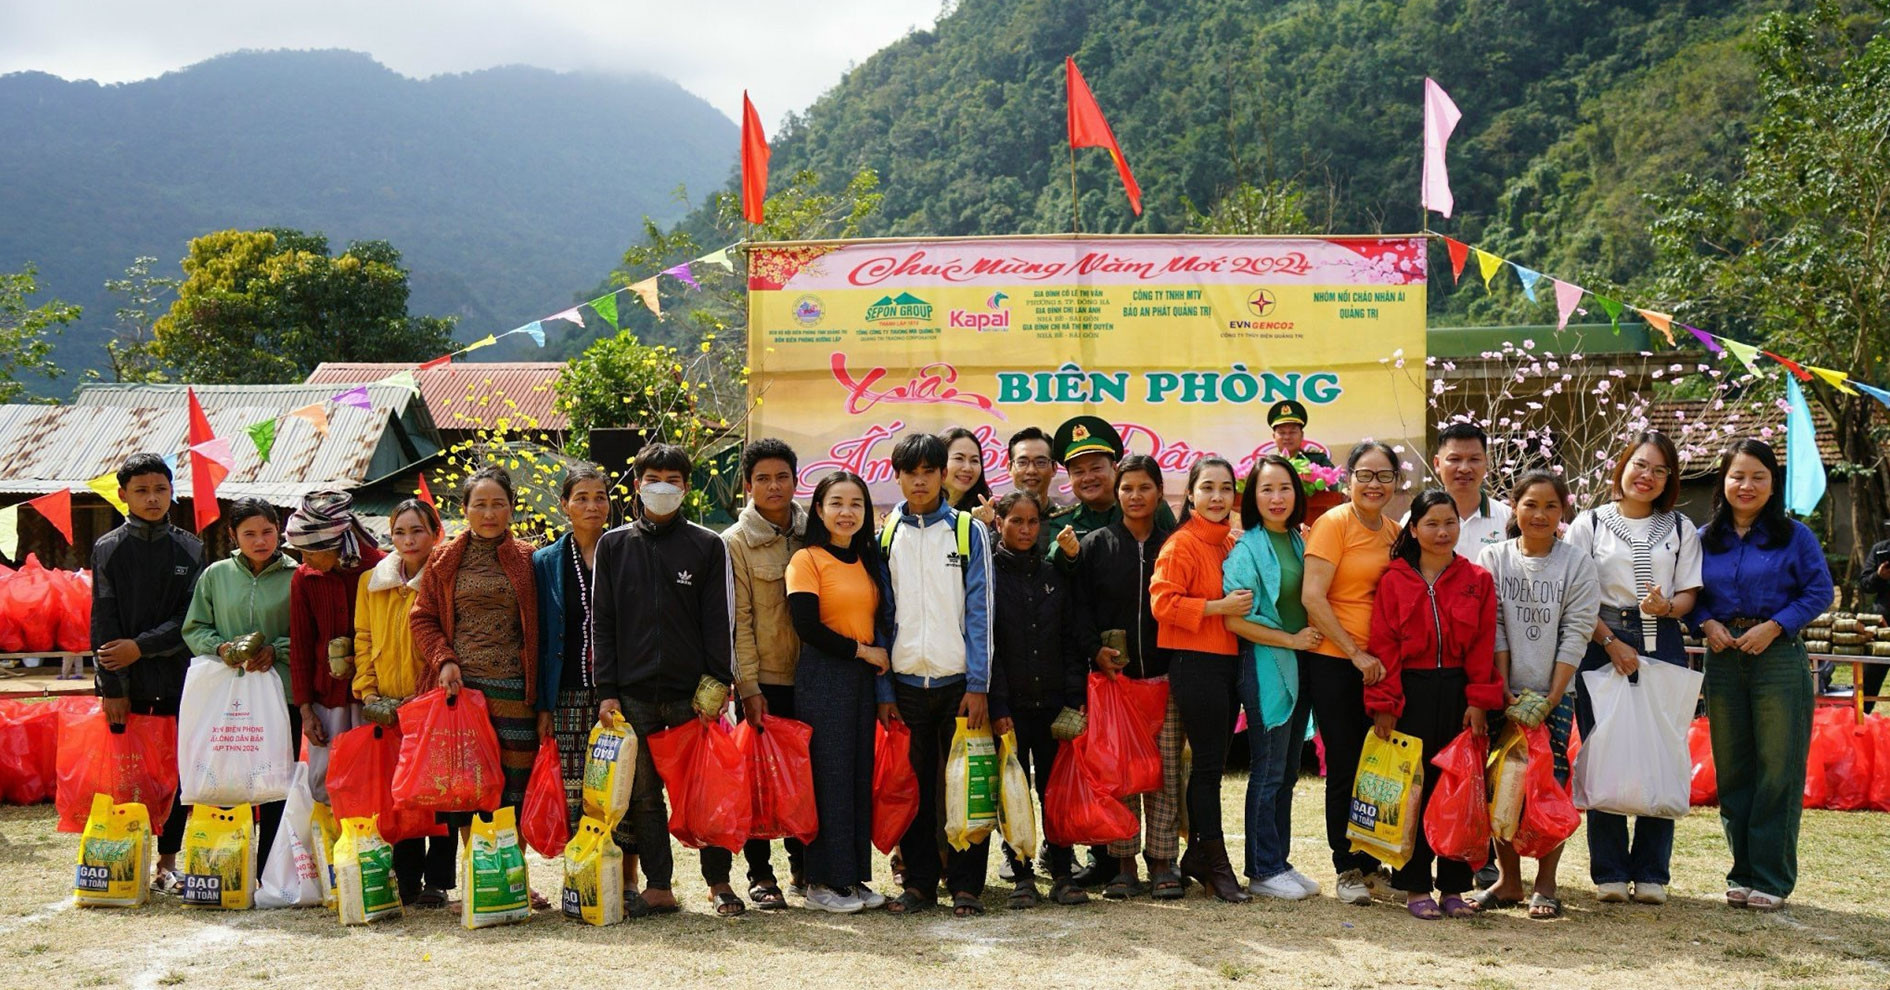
{"points": [[1425, 909]]}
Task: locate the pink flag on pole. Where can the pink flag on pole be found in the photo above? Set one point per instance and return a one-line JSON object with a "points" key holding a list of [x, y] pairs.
{"points": [[1440, 118], [1567, 297]]}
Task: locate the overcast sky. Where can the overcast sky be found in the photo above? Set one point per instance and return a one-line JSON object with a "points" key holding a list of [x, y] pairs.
{"points": [[785, 52]]}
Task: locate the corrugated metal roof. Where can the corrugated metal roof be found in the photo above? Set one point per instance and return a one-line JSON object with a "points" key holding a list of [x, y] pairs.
{"points": [[1696, 423], [470, 395]]}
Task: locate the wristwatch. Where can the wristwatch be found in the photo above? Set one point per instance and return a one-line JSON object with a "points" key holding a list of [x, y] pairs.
{"points": [[1608, 642]]}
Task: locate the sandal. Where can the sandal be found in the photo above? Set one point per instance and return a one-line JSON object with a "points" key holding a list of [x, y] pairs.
{"points": [[1542, 907], [908, 903], [1454, 906], [1122, 888], [966, 906], [1425, 909], [1167, 886], [1759, 900], [1067, 893], [727, 905], [168, 882], [635, 907], [767, 896], [1023, 897], [1487, 900], [539, 903]]}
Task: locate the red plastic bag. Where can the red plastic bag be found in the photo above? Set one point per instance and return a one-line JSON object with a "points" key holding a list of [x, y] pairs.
{"points": [[137, 765], [1077, 809], [895, 786], [74, 634], [544, 820], [707, 779], [449, 754], [1700, 749], [30, 598], [29, 750], [1827, 744], [1847, 759], [781, 776], [361, 765], [1877, 731], [1125, 716], [1549, 816], [1457, 818]]}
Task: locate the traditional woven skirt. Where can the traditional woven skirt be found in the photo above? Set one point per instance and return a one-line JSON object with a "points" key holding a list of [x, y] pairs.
{"points": [[571, 724], [517, 728]]}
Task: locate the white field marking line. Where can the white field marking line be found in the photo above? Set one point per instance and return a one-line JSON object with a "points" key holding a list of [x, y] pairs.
{"points": [[1784, 919], [48, 911], [178, 948]]}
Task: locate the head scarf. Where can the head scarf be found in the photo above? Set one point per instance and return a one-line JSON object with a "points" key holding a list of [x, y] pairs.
{"points": [[325, 521]]}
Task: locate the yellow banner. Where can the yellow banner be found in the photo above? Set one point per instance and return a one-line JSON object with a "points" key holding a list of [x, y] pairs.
{"points": [[1183, 343]]}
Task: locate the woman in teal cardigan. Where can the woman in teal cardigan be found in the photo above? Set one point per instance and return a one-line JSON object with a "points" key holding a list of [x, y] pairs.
{"points": [[1269, 561]]}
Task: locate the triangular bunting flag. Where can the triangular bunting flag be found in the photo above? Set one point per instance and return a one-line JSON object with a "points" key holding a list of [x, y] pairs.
{"points": [[263, 435], [682, 274], [536, 330], [1488, 264], [606, 307], [1659, 321], [1567, 297], [1804, 469], [1459, 253], [315, 415], [1529, 278], [569, 316], [1835, 379], [1790, 365], [426, 494], [1871, 390], [105, 486], [1711, 342], [10, 532], [1613, 308], [402, 379], [1747, 354], [436, 362], [724, 257], [56, 508], [487, 341], [356, 397], [206, 472], [646, 291]]}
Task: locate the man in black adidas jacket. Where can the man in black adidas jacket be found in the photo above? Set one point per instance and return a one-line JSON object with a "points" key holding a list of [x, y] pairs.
{"points": [[662, 618]]}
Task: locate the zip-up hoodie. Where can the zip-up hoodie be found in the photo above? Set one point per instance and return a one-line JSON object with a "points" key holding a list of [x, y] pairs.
{"points": [[232, 601], [662, 610], [1187, 577], [766, 648], [142, 576], [1420, 626], [1038, 665], [941, 603], [1113, 570]]}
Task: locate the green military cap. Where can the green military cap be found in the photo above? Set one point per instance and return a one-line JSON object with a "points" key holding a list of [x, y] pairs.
{"points": [[1286, 411], [1081, 435]]}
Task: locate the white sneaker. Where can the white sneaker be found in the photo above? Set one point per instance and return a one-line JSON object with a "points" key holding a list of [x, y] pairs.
{"points": [[1650, 893], [1353, 889], [869, 898], [1280, 886], [1379, 881], [1611, 893], [1306, 883], [827, 899]]}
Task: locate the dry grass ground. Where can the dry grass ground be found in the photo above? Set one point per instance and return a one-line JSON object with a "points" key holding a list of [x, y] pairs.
{"points": [[1836, 934]]}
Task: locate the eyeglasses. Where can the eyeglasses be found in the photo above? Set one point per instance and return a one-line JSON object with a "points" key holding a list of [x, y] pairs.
{"points": [[1036, 462], [1657, 470], [1382, 477]]}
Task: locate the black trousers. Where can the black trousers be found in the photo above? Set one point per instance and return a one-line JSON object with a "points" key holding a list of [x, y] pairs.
{"points": [[835, 697], [1338, 703], [1037, 750], [425, 862], [648, 818], [780, 699], [271, 814], [1433, 711], [1206, 689], [932, 715]]}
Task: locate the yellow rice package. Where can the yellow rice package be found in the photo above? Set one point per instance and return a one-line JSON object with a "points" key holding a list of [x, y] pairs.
{"points": [[492, 876], [971, 787], [114, 856], [593, 875], [327, 832], [218, 861], [1505, 772], [610, 767], [1387, 798], [1017, 817], [365, 887]]}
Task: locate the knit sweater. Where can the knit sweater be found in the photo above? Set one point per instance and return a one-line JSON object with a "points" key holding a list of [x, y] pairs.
{"points": [[1188, 576], [433, 607]]}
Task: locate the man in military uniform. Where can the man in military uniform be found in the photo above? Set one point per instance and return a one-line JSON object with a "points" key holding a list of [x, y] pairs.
{"points": [[1287, 418], [1088, 448]]}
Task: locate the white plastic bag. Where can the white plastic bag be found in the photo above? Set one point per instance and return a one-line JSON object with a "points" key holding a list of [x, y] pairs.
{"points": [[1636, 761], [335, 721], [294, 875], [233, 744]]}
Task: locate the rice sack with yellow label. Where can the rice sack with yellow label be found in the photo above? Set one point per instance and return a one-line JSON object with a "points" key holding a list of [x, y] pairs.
{"points": [[218, 861], [593, 875], [114, 856]]}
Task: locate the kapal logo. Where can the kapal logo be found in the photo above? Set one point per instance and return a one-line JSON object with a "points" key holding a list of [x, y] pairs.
{"points": [[808, 310], [998, 319], [901, 308]]}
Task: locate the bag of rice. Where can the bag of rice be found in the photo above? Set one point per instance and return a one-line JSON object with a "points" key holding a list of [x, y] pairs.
{"points": [[609, 769], [114, 856], [1017, 817], [1387, 798], [218, 861], [497, 891], [971, 784], [366, 888], [1507, 772], [593, 875]]}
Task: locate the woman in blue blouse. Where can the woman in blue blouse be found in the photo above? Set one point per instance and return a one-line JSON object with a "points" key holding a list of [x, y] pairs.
{"points": [[1765, 578]]}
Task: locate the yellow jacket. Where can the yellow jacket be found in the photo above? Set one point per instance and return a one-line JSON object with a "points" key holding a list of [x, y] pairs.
{"points": [[385, 662]]}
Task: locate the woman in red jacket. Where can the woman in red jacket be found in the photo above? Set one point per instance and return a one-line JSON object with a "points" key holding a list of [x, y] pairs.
{"points": [[1203, 674], [336, 550], [1434, 627]]}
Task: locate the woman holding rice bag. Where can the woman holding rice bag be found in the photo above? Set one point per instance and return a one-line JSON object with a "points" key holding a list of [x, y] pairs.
{"points": [[1189, 603], [837, 595], [475, 624], [1547, 597], [1647, 559], [1434, 628], [388, 671]]}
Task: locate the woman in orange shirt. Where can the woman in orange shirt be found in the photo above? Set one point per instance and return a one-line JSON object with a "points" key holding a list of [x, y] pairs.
{"points": [[1203, 676], [1347, 553]]}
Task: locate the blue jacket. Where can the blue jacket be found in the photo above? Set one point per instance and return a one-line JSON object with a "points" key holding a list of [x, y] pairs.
{"points": [[1253, 565], [548, 574]]}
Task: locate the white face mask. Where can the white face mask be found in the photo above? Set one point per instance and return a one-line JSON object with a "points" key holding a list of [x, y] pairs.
{"points": [[660, 498]]}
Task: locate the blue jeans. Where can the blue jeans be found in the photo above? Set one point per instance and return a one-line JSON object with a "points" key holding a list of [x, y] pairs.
{"points": [[1272, 771], [1612, 856]]}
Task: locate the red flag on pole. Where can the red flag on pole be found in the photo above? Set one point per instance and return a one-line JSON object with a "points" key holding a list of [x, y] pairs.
{"points": [[426, 494], [754, 162], [57, 509], [1088, 129], [207, 468]]}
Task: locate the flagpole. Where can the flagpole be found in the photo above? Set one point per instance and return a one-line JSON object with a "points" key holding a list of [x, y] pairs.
{"points": [[1076, 211]]}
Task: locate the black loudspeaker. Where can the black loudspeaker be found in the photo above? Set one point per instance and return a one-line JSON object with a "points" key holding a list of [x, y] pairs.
{"points": [[614, 448]]}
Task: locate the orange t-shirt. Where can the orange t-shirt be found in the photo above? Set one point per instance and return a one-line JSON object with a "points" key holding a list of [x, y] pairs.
{"points": [[1359, 557], [848, 597]]}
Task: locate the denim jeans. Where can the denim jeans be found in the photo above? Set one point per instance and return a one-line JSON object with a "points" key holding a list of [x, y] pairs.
{"points": [[1612, 856], [1273, 769], [647, 824], [1759, 708]]}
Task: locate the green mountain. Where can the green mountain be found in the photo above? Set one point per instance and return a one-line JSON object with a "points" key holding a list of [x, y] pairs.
{"points": [[506, 190]]}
